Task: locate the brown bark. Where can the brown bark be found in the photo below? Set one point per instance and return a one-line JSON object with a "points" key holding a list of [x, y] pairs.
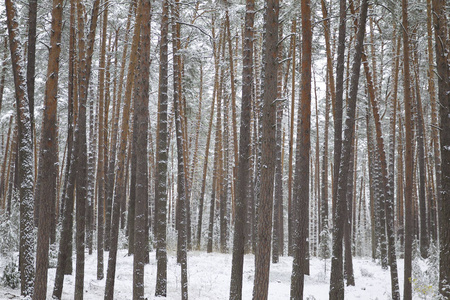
{"points": [[162, 159], [141, 119], [205, 168], [278, 188], [181, 183], [48, 154], [262, 257], [291, 138], [64, 265], [442, 40], [31, 65], [336, 281], [216, 94], [120, 188], [421, 140], [110, 183], [434, 120], [408, 155], [243, 174], [3, 72], [80, 141], [324, 207], [301, 199], [233, 108], [25, 155], [101, 148], [5, 173], [342, 185]]}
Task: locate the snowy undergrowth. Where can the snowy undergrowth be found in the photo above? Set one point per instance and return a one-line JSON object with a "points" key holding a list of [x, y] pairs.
{"points": [[209, 278]]}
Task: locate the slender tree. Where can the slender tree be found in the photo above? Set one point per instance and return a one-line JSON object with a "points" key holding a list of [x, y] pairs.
{"points": [[48, 153], [31, 62], [442, 49], [337, 286], [162, 159], [120, 186], [265, 207], [25, 155], [336, 280], [300, 266], [181, 182], [408, 155], [243, 174], [3, 71], [80, 142], [101, 147], [141, 119], [64, 265]]}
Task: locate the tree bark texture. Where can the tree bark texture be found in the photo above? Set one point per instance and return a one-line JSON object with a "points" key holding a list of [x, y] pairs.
{"points": [[262, 257]]}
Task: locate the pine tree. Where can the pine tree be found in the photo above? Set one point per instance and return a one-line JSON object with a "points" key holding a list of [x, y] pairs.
{"points": [[300, 266], [141, 119], [48, 154], [442, 41], [25, 155], [262, 257], [243, 174], [162, 159]]}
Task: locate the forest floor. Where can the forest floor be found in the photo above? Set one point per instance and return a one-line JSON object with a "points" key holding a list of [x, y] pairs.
{"points": [[209, 278]]}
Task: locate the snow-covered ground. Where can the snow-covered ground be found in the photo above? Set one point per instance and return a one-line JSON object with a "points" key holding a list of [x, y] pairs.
{"points": [[209, 278]]}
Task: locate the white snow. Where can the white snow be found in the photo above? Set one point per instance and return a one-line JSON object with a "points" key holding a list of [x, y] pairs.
{"points": [[209, 278]]}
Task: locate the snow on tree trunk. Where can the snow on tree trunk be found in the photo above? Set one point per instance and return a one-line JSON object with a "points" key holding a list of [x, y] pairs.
{"points": [[25, 155]]}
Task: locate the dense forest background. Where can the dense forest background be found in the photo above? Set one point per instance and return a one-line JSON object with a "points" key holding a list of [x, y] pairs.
{"points": [[303, 128]]}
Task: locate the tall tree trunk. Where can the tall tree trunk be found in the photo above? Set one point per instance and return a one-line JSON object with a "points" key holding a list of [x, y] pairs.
{"points": [[181, 183], [278, 188], [434, 118], [110, 180], [262, 257], [337, 281], [291, 139], [324, 237], [348, 259], [216, 94], [225, 182], [101, 147], [120, 188], [300, 266], [205, 169], [25, 156], [31, 64], [243, 169], [162, 159], [48, 154], [3, 72], [91, 178], [80, 142], [408, 155], [392, 128], [337, 289], [443, 69], [421, 140], [141, 119], [64, 265], [233, 106], [4, 174]]}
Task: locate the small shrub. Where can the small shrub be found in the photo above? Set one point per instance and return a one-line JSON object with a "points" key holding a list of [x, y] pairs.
{"points": [[9, 228], [425, 282], [52, 256], [365, 273], [11, 276]]}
